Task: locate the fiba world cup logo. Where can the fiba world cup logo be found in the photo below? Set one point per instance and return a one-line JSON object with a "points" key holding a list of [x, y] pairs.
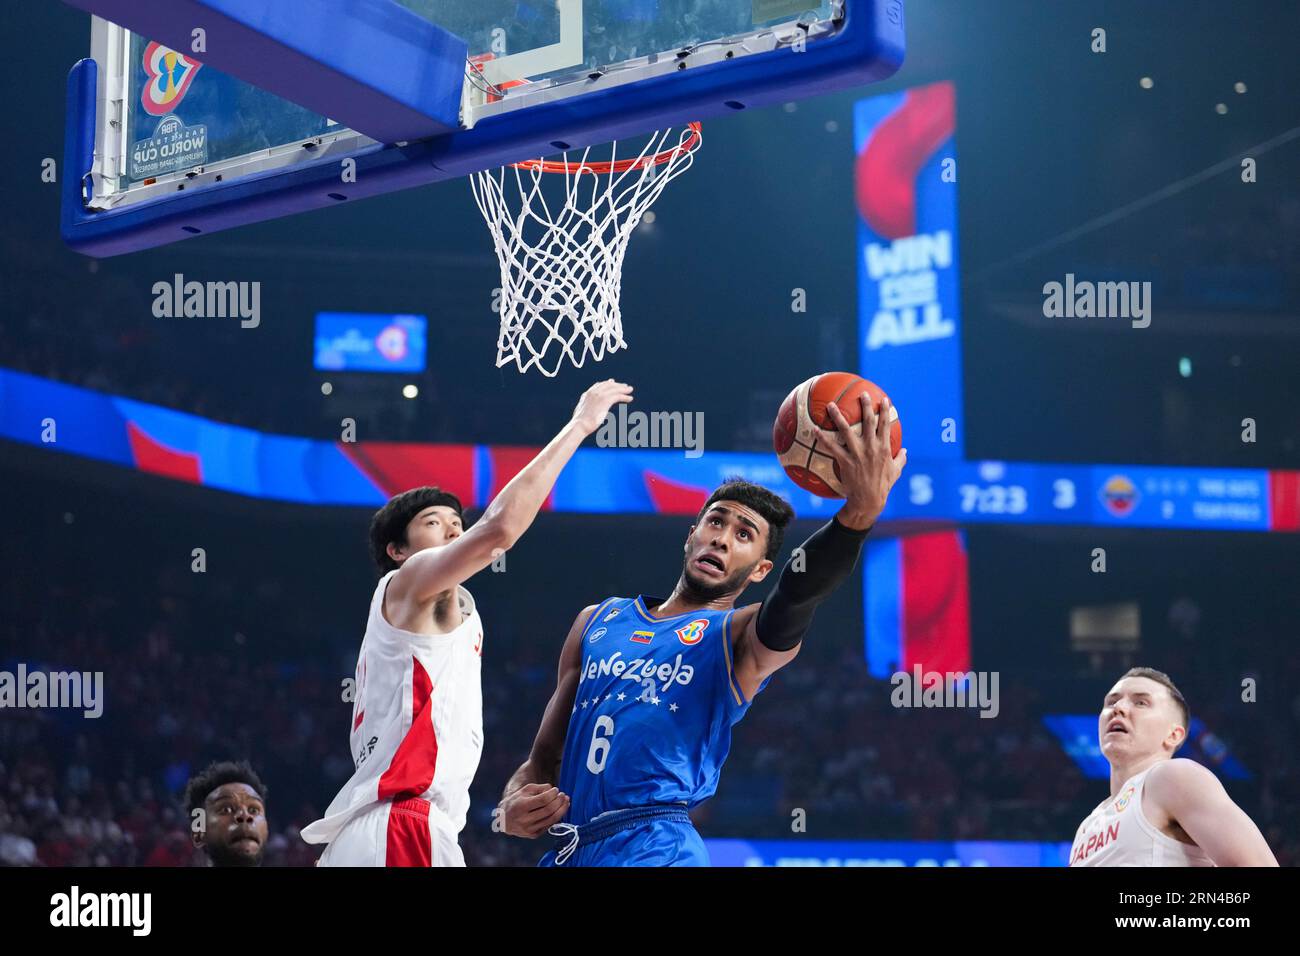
{"points": [[691, 633], [1122, 803], [168, 76], [392, 343]]}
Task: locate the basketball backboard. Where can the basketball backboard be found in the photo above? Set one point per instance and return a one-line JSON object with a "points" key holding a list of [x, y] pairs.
{"points": [[167, 138]]}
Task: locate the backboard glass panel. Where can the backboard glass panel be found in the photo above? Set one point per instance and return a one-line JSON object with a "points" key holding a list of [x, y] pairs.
{"points": [[165, 119], [231, 119], [164, 147], [563, 43]]}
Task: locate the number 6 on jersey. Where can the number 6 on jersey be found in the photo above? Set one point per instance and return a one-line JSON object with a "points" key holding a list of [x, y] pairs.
{"points": [[599, 751]]}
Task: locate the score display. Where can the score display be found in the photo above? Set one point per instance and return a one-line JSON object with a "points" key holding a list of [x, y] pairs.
{"points": [[1033, 493], [363, 342]]}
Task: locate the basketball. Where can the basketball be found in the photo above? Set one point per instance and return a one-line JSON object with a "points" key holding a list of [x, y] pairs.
{"points": [[803, 426]]}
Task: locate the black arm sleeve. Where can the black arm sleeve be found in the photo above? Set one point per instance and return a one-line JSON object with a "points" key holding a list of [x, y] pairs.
{"points": [[828, 558]]}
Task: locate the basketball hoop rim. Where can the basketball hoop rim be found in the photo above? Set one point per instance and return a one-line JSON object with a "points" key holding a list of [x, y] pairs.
{"points": [[606, 167]]}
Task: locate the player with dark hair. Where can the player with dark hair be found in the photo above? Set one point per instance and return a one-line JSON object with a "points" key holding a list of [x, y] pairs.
{"points": [[227, 811], [1161, 811], [648, 689], [417, 715], [392, 523]]}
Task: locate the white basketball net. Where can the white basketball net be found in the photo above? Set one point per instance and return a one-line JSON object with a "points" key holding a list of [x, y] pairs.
{"points": [[562, 258]]}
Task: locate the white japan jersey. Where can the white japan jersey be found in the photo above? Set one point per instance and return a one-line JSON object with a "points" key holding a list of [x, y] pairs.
{"points": [[1118, 833], [417, 720]]}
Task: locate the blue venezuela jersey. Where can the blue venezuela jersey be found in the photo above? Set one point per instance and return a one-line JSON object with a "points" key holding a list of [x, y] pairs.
{"points": [[651, 721]]}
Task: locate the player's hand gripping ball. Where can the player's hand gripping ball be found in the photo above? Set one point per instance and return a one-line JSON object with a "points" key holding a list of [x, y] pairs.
{"points": [[803, 428]]}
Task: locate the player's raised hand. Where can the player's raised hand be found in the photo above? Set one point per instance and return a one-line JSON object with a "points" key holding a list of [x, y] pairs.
{"points": [[866, 463], [596, 402], [532, 809]]}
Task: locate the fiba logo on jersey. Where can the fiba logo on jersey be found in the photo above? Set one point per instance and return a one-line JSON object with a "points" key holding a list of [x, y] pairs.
{"points": [[1122, 803], [691, 633]]}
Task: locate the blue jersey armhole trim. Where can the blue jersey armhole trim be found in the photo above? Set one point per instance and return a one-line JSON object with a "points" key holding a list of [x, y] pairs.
{"points": [[732, 683], [595, 616]]}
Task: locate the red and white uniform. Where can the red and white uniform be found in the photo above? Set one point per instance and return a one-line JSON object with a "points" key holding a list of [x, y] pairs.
{"points": [[417, 735], [1118, 833]]}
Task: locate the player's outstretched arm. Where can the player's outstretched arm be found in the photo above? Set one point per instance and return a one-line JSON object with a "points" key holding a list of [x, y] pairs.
{"points": [[1193, 797], [768, 635], [433, 571], [531, 802]]}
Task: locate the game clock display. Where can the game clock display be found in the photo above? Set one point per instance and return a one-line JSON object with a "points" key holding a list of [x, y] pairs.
{"points": [[1033, 493]]}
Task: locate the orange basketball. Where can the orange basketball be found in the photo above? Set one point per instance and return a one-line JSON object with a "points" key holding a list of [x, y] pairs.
{"points": [[803, 427]]}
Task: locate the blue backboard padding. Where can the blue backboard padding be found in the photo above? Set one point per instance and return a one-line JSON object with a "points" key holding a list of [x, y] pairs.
{"points": [[868, 48], [372, 65], [78, 143]]}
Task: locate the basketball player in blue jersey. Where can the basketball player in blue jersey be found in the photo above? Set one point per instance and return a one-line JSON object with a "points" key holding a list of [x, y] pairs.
{"points": [[640, 722]]}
